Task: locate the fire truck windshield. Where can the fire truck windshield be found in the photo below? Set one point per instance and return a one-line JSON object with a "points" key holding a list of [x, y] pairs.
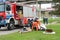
{"points": [[2, 8], [8, 7]]}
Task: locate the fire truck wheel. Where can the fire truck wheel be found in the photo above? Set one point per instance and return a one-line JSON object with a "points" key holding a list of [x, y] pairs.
{"points": [[10, 25]]}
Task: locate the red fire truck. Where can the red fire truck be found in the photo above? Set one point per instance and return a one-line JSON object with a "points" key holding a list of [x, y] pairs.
{"points": [[9, 14]]}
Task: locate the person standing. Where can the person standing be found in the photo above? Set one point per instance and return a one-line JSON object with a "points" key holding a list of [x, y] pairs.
{"points": [[45, 20]]}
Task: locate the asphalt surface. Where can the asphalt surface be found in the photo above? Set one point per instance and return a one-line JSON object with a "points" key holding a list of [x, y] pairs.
{"points": [[4, 31]]}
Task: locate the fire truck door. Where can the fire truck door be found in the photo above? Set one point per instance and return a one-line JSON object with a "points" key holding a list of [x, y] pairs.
{"points": [[8, 11]]}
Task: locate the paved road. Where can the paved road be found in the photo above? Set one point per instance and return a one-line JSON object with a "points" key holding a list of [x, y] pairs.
{"points": [[4, 31]]}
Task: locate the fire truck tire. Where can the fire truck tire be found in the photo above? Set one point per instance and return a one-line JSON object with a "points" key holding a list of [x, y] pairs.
{"points": [[10, 25]]}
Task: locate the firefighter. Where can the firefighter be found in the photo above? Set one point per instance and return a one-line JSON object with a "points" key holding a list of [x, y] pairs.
{"points": [[36, 23], [20, 14], [25, 21]]}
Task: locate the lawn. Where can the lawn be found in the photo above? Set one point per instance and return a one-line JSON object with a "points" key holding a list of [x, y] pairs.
{"points": [[50, 20], [35, 35]]}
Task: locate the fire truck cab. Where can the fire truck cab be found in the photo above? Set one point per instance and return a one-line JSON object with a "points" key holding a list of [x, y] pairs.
{"points": [[8, 16]]}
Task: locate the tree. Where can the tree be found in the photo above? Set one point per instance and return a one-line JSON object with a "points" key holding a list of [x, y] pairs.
{"points": [[56, 0], [57, 7]]}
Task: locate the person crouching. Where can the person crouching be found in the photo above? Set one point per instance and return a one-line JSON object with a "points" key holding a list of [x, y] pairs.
{"points": [[35, 24]]}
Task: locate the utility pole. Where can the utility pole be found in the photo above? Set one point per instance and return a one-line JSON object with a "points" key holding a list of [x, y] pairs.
{"points": [[38, 9]]}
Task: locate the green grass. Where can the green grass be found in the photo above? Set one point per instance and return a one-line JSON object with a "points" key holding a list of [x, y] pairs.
{"points": [[53, 20], [50, 20], [35, 35]]}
